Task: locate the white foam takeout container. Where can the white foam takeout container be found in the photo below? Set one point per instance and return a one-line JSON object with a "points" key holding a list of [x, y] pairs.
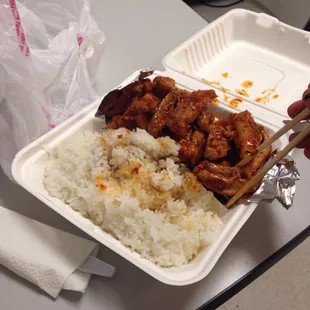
{"points": [[247, 45]]}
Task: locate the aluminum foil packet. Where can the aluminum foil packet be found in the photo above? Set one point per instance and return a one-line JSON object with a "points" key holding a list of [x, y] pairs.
{"points": [[279, 183]]}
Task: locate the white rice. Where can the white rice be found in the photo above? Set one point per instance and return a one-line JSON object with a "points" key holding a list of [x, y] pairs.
{"points": [[131, 185]]}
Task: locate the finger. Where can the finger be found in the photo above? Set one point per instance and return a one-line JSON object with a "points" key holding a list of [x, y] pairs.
{"points": [[298, 106], [295, 108], [304, 144], [307, 153]]}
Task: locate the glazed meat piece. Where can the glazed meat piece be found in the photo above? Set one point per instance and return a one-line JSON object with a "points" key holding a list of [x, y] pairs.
{"points": [[112, 104], [204, 121], [163, 111], [142, 120], [116, 101], [192, 148], [226, 180], [221, 179], [135, 114], [220, 169], [258, 161], [182, 116], [230, 133], [187, 152], [204, 97], [218, 119], [130, 122], [225, 163], [145, 73], [217, 144], [220, 131], [249, 137], [145, 104], [137, 88], [189, 107], [162, 86], [198, 138], [148, 86], [119, 121], [114, 122]]}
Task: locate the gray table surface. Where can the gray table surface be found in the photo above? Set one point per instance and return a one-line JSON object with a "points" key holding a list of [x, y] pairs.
{"points": [[139, 33]]}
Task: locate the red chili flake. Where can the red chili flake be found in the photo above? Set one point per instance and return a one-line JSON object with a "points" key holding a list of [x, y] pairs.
{"points": [[120, 136], [99, 183], [101, 187], [196, 189], [136, 169]]}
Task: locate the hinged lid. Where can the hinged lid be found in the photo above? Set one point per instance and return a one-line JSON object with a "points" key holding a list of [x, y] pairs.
{"points": [[250, 56]]}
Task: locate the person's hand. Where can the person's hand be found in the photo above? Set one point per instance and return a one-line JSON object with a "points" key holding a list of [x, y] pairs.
{"points": [[295, 109]]}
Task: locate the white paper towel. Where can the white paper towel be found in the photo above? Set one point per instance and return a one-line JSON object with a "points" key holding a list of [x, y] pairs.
{"points": [[43, 255]]}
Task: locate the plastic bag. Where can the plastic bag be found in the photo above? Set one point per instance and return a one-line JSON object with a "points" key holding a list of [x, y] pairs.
{"points": [[49, 54]]}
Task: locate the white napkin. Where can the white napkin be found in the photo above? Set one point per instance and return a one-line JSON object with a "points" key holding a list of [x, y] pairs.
{"points": [[43, 255]]}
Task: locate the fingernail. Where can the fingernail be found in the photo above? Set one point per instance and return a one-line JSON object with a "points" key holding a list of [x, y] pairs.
{"points": [[307, 97]]}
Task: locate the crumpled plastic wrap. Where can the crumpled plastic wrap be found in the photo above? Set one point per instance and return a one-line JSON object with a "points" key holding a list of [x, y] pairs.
{"points": [[49, 55]]}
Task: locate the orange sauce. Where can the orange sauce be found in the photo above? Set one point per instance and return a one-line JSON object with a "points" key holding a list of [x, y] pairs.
{"points": [[242, 92], [262, 99], [266, 99], [225, 75], [211, 82], [224, 90], [226, 98], [269, 90], [247, 84], [234, 103]]}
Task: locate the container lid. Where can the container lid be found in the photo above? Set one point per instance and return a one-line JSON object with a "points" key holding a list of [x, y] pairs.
{"points": [[249, 58]]}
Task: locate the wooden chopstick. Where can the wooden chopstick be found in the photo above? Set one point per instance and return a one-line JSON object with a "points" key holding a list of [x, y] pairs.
{"points": [[302, 115], [261, 173]]}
